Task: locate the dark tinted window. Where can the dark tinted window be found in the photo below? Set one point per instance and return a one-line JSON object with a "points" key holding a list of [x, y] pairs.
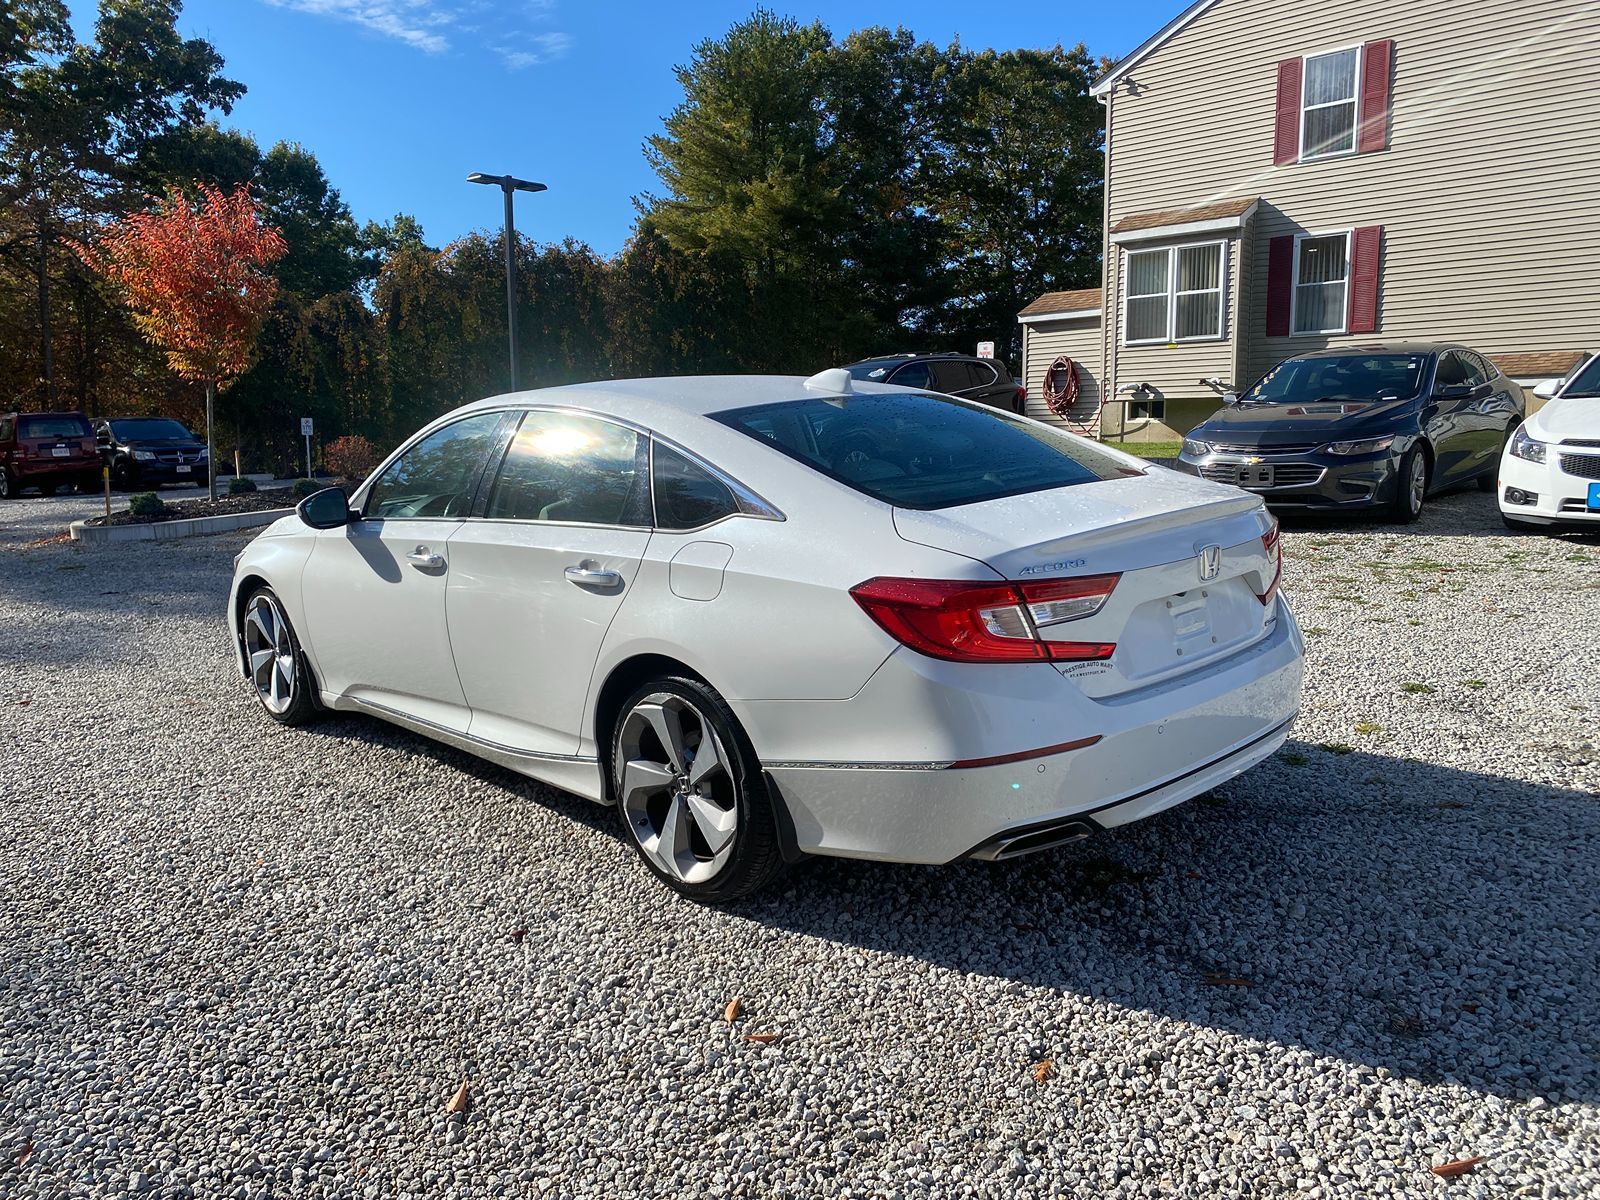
{"points": [[874, 370], [53, 427], [438, 476], [953, 376], [1477, 370], [562, 467], [913, 375], [1452, 370], [1586, 382], [925, 451], [5, 429], [688, 495], [138, 429], [1340, 377]]}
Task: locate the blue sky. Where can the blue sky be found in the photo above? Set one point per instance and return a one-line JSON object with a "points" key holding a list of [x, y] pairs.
{"points": [[401, 99]]}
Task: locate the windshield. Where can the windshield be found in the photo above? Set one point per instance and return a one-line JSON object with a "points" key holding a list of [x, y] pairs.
{"points": [[1586, 382], [143, 429], [919, 451], [52, 427], [873, 372], [1364, 377]]}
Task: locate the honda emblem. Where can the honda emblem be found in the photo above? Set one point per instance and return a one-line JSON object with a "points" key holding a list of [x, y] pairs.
{"points": [[1210, 560]]}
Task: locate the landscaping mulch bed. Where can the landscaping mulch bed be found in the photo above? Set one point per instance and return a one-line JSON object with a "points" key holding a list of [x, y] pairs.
{"points": [[220, 507]]}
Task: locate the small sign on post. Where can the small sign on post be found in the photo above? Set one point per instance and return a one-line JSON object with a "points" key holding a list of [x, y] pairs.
{"points": [[305, 432], [985, 349]]}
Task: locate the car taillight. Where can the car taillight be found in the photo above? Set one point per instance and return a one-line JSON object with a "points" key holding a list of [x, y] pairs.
{"points": [[961, 621], [1273, 545]]}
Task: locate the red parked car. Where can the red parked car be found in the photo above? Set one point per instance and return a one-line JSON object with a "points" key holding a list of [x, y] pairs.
{"points": [[47, 451]]}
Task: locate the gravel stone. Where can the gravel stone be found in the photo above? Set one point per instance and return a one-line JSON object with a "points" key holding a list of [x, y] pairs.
{"points": [[244, 961]]}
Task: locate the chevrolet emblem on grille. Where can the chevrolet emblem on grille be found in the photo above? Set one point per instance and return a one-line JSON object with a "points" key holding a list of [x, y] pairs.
{"points": [[1210, 561]]}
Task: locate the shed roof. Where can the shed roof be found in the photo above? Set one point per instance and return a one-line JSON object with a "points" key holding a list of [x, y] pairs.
{"points": [[1081, 300], [1536, 363]]}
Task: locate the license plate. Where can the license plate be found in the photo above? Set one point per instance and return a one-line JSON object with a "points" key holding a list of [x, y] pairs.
{"points": [[184, 470], [1191, 618], [1256, 476], [1594, 497], [61, 451]]}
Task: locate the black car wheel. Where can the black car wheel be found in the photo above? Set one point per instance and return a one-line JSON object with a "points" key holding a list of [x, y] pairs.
{"points": [[124, 476], [8, 486], [1411, 487]]}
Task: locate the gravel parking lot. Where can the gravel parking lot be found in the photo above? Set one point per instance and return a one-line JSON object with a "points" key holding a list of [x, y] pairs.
{"points": [[243, 961]]}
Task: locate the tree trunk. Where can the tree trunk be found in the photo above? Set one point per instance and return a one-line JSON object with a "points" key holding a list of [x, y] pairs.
{"points": [[46, 357], [211, 462]]}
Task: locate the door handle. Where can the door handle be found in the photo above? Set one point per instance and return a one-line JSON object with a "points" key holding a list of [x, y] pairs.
{"points": [[591, 577], [425, 560]]}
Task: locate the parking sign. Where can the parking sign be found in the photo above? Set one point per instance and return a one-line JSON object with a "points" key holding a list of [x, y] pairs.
{"points": [[985, 349], [305, 426]]}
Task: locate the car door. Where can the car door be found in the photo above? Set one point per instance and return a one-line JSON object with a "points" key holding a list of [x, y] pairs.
{"points": [[373, 591], [1448, 420], [537, 579], [1494, 410]]}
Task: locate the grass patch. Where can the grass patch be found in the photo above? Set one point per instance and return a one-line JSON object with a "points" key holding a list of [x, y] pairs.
{"points": [[1412, 621], [1476, 685], [1348, 597], [1315, 631], [1336, 748], [1368, 728], [1148, 449], [1294, 758], [1416, 689]]}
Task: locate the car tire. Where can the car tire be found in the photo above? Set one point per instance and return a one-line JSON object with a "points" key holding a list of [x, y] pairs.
{"points": [[123, 477], [707, 831], [8, 486], [286, 692], [1411, 487]]}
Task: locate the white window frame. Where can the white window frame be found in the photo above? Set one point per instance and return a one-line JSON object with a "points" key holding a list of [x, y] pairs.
{"points": [[1294, 291], [1170, 337], [1355, 124]]}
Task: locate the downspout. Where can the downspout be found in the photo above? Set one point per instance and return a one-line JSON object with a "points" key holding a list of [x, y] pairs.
{"points": [[1108, 308]]}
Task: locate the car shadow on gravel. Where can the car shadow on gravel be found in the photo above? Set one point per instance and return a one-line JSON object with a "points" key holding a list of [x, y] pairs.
{"points": [[1438, 923], [1460, 513]]}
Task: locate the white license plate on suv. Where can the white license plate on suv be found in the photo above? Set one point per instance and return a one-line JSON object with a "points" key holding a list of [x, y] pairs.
{"points": [[184, 470], [61, 451]]}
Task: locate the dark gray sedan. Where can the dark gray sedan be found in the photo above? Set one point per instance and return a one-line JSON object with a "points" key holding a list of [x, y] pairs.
{"points": [[1381, 426]]}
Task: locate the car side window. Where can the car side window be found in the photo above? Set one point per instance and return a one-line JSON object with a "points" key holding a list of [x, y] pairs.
{"points": [[1476, 371], [913, 375], [439, 475], [570, 468], [687, 495], [5, 429], [1451, 370], [953, 376]]}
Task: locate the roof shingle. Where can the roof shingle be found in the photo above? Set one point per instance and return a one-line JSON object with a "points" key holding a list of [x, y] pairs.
{"points": [[1082, 300], [1535, 363], [1221, 210]]}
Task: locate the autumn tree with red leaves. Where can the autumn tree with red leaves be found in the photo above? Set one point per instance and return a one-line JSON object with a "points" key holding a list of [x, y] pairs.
{"points": [[194, 278]]}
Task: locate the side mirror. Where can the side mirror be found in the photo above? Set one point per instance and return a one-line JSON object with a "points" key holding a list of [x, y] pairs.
{"points": [[327, 509], [1230, 397], [1452, 391], [1548, 389]]}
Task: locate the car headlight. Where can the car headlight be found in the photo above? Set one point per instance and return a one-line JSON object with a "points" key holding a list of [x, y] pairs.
{"points": [[1369, 446], [1523, 446], [1195, 448], [145, 455], [204, 454]]}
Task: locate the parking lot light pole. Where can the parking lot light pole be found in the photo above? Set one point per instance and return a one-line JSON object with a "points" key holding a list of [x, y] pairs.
{"points": [[509, 184]]}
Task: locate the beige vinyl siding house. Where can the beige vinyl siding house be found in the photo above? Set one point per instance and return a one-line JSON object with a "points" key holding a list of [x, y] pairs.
{"points": [[1456, 198]]}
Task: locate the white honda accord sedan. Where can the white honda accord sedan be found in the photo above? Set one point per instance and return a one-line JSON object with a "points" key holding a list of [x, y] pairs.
{"points": [[769, 618]]}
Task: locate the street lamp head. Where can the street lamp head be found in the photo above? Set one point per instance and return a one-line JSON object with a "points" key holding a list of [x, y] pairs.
{"points": [[508, 182]]}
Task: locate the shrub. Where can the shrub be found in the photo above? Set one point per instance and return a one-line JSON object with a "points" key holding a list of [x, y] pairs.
{"points": [[239, 484], [351, 456], [306, 487], [146, 504]]}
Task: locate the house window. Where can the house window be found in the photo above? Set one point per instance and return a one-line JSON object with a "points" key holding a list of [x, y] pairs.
{"points": [[1150, 410], [1175, 295], [1321, 283], [1328, 103]]}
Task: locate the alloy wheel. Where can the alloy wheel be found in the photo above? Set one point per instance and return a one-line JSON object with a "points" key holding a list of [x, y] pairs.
{"points": [[677, 791], [270, 651], [1417, 485]]}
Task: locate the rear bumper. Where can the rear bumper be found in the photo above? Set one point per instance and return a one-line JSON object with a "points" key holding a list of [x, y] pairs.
{"points": [[1338, 481], [35, 470], [1155, 748]]}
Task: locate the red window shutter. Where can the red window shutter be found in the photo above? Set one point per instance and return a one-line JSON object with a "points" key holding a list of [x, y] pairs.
{"points": [[1376, 66], [1280, 285], [1366, 251], [1286, 141]]}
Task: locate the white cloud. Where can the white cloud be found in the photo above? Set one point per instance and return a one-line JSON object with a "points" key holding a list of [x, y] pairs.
{"points": [[433, 25]]}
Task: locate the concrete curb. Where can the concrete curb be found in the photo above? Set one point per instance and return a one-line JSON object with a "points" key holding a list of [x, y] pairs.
{"points": [[160, 531]]}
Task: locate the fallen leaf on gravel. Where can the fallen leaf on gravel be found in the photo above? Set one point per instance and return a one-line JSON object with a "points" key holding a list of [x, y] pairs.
{"points": [[735, 1006], [762, 1038], [458, 1102], [1217, 980], [1454, 1170], [1193, 875], [24, 1154], [519, 933], [1470, 1008], [1044, 1070]]}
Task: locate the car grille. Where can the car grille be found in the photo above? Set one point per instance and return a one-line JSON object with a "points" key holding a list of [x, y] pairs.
{"points": [[1282, 448], [1574, 506], [1584, 466], [1595, 442], [177, 457], [1284, 475]]}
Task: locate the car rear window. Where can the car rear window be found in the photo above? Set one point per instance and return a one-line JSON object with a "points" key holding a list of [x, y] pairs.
{"points": [[53, 427], [925, 452]]}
